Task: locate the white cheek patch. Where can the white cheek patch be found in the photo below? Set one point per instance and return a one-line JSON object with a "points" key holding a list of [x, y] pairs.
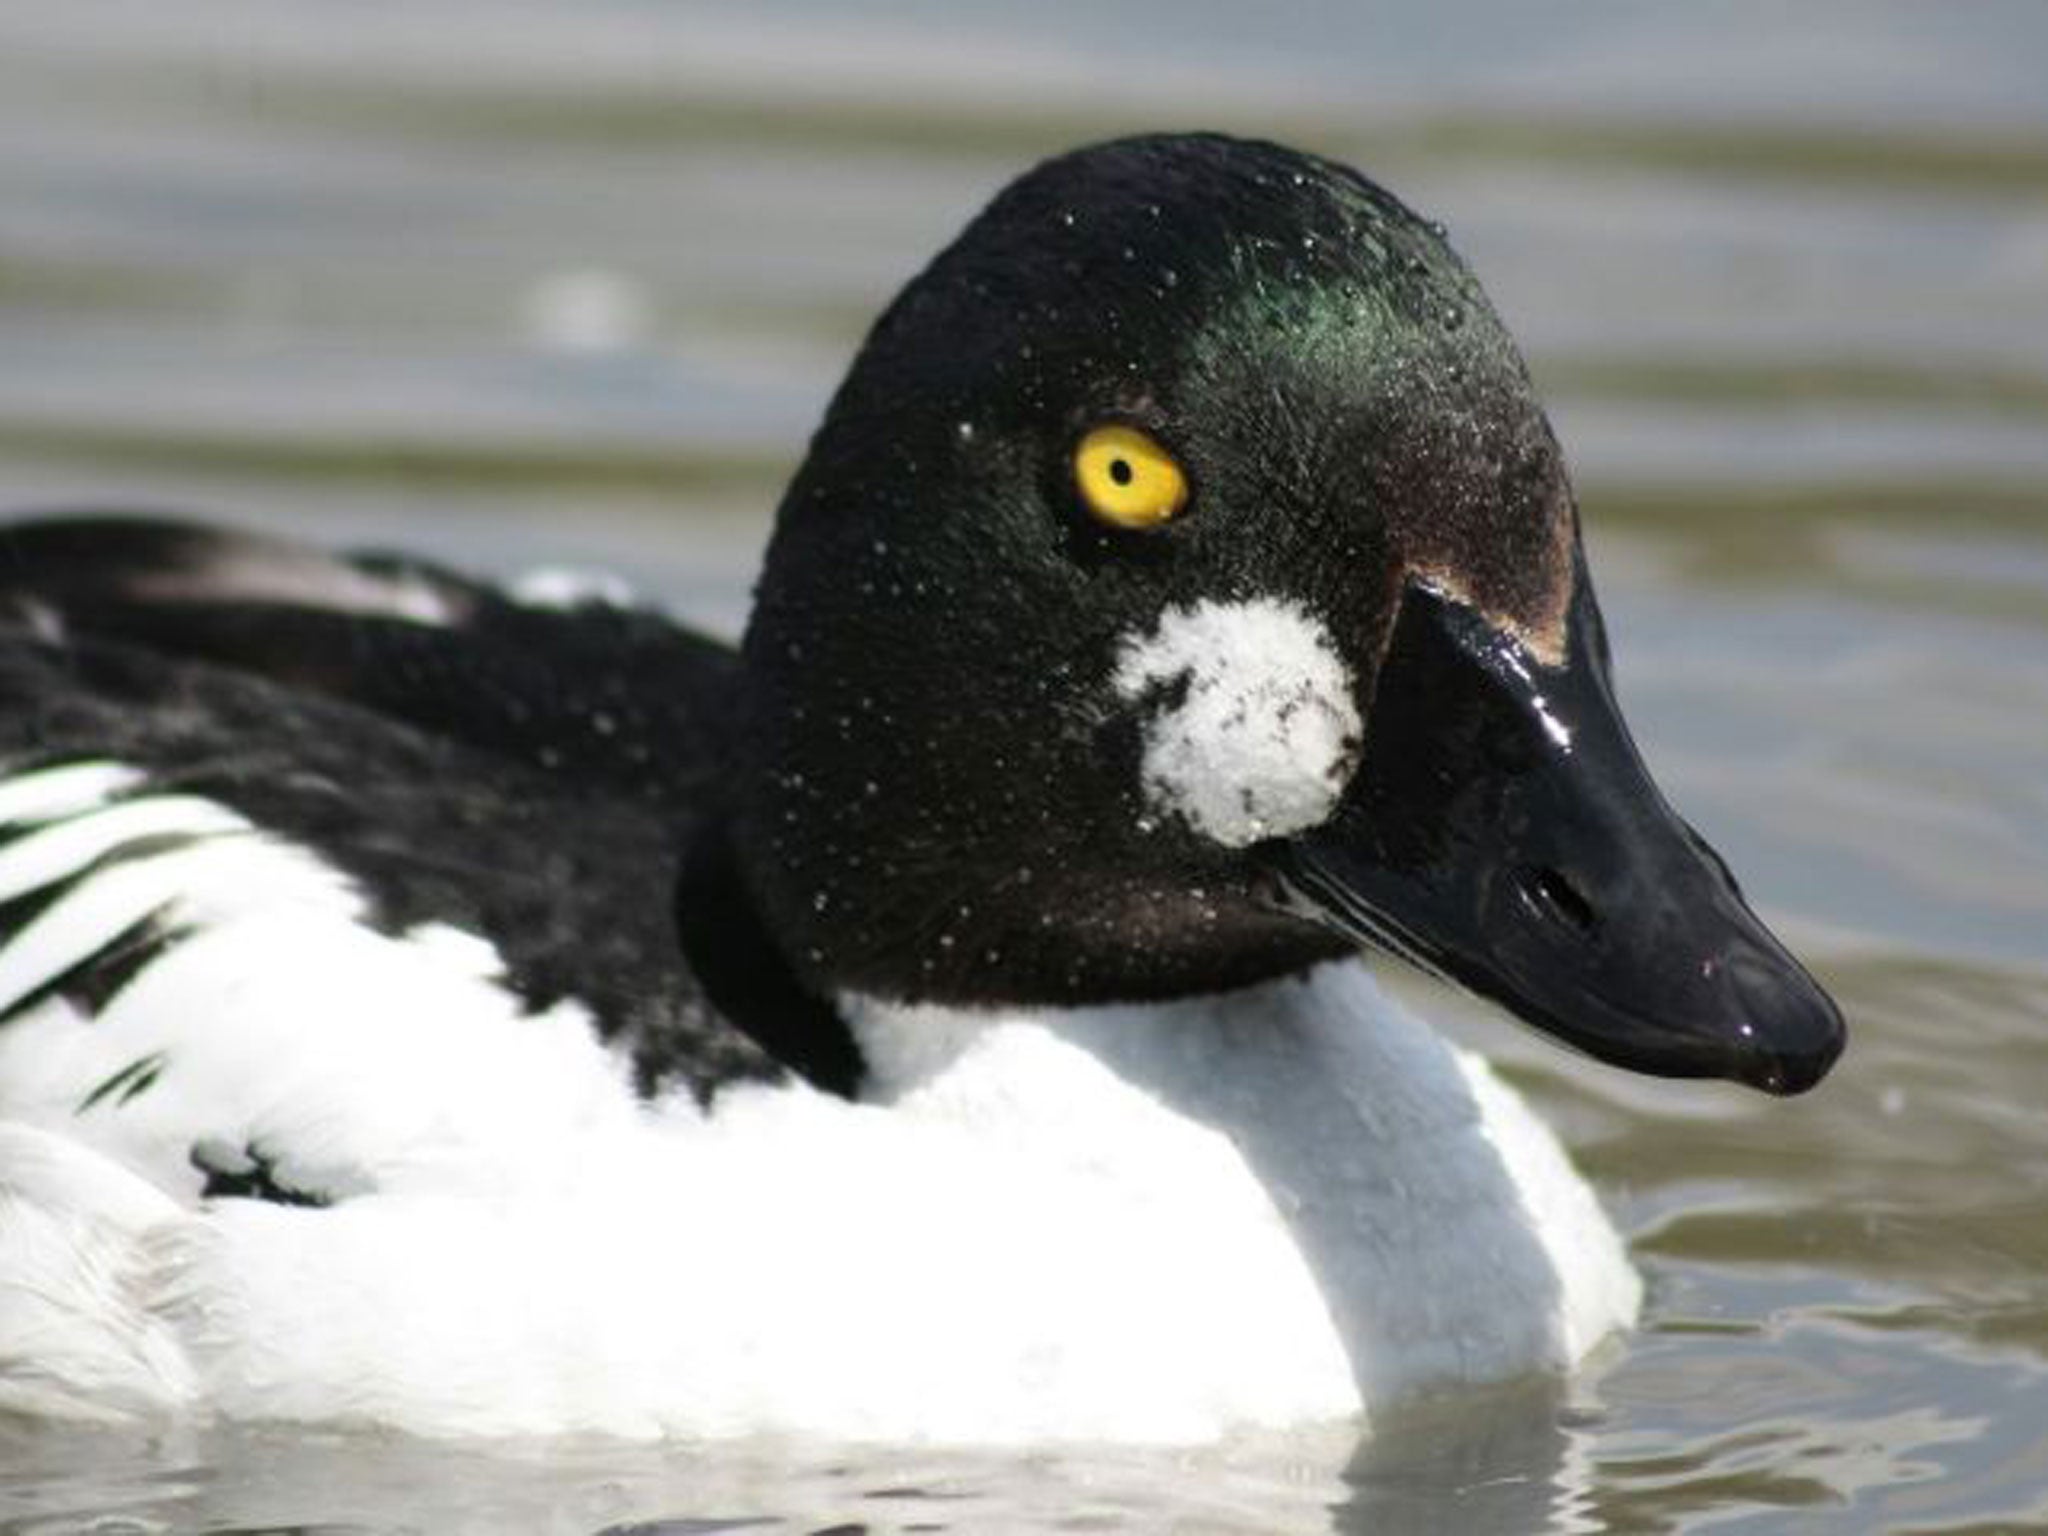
{"points": [[1264, 731]]}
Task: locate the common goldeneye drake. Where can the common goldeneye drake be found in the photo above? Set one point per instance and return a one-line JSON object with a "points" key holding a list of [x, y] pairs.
{"points": [[428, 1006]]}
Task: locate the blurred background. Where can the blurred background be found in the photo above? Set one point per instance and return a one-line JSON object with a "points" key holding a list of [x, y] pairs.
{"points": [[570, 282]]}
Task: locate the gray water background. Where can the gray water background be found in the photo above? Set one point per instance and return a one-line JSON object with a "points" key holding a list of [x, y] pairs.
{"points": [[567, 282]]}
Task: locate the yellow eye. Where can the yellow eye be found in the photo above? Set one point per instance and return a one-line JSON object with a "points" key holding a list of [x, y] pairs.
{"points": [[1127, 479]]}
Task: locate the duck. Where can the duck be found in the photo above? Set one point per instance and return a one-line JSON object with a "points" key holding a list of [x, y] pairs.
{"points": [[949, 1015]]}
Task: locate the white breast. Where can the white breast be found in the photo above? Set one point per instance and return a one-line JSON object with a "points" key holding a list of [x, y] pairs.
{"points": [[1308, 1201]]}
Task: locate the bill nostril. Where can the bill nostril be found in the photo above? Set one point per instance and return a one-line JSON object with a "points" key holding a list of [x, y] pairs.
{"points": [[1552, 893]]}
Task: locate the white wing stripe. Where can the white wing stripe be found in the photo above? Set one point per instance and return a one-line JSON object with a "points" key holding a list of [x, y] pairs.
{"points": [[88, 920], [51, 793], [69, 847]]}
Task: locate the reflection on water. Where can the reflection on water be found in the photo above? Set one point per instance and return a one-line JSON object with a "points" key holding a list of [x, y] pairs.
{"points": [[573, 285]]}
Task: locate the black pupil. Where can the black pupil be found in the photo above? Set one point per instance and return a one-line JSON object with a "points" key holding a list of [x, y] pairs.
{"points": [[1120, 471]]}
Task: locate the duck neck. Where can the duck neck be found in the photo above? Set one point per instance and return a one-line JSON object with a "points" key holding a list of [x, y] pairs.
{"points": [[746, 974]]}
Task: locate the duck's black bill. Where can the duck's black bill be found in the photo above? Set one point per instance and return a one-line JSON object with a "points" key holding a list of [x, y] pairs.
{"points": [[1503, 831]]}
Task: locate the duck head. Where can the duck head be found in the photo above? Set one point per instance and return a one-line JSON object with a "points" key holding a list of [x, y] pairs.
{"points": [[1184, 587]]}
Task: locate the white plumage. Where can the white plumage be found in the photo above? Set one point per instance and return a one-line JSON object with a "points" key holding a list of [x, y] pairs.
{"points": [[1261, 733]]}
